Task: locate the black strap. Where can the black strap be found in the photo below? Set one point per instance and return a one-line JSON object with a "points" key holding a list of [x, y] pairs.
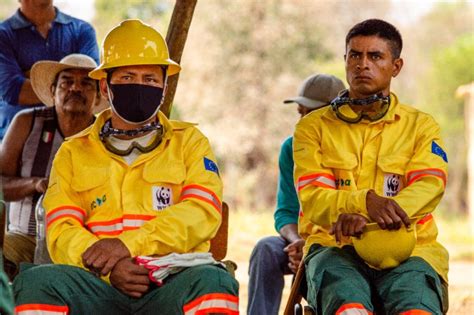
{"points": [[45, 145]]}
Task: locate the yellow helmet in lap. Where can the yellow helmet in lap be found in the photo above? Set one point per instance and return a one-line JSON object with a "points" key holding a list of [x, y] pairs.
{"points": [[133, 43]]}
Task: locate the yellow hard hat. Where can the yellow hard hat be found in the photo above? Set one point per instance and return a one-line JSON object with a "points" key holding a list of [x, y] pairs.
{"points": [[383, 248], [133, 43]]}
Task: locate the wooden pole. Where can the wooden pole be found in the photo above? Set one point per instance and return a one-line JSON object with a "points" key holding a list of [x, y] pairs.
{"points": [[176, 38], [467, 92]]}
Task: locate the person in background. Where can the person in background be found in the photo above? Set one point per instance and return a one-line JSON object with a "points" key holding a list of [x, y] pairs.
{"points": [[33, 139], [368, 158], [130, 196], [37, 31], [275, 256]]}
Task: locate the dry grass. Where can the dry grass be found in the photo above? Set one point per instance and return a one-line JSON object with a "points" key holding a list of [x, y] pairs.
{"points": [[247, 227]]}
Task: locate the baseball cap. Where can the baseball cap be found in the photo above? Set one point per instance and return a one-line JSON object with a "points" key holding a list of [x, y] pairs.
{"points": [[317, 90]]}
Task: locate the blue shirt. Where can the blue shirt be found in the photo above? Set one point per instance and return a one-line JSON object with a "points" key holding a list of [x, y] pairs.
{"points": [[21, 46], [288, 206]]}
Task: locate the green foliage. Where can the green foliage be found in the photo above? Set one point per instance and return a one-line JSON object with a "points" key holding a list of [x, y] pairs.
{"points": [[444, 62], [451, 68]]}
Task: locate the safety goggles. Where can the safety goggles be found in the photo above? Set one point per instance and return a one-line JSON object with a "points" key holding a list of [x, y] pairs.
{"points": [[108, 131], [354, 110]]}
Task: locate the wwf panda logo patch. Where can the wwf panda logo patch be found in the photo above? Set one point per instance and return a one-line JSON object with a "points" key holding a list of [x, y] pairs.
{"points": [[392, 185], [162, 197]]}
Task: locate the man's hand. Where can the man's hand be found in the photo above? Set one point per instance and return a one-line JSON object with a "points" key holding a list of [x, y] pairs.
{"points": [[386, 212], [102, 256], [295, 253], [130, 278], [348, 224], [41, 184]]}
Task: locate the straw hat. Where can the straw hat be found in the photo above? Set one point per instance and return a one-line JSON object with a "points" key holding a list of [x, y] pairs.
{"points": [[43, 74]]}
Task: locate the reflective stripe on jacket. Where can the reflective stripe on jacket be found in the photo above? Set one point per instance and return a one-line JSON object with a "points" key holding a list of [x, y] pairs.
{"points": [[401, 156], [167, 200]]}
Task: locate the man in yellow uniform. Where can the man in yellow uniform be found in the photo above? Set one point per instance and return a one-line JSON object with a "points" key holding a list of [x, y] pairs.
{"points": [[133, 184], [369, 158]]}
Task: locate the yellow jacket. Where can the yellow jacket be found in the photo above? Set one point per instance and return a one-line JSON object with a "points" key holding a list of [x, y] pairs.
{"points": [[167, 200], [400, 156]]}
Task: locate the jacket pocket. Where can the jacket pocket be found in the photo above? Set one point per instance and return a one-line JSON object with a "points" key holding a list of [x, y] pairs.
{"points": [[165, 181], [393, 174], [394, 164], [341, 160], [173, 173], [342, 164], [90, 178]]}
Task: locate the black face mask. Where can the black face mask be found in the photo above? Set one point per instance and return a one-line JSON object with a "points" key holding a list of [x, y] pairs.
{"points": [[135, 103]]}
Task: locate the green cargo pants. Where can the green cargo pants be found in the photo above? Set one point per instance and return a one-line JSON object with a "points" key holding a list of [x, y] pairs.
{"points": [[338, 279], [62, 289]]}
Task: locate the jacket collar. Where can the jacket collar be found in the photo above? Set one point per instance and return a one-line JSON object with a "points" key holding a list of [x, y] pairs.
{"points": [[18, 20]]}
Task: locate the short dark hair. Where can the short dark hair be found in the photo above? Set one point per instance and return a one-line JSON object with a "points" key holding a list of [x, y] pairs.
{"points": [[381, 29]]}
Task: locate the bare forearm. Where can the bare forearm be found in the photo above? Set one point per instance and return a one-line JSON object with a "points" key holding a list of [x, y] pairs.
{"points": [[17, 188], [27, 95], [290, 232]]}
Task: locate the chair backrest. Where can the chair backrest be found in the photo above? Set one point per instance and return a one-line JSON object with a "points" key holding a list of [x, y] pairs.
{"points": [[219, 242]]}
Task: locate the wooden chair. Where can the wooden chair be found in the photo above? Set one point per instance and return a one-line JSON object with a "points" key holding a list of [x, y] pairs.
{"points": [[293, 306], [219, 242]]}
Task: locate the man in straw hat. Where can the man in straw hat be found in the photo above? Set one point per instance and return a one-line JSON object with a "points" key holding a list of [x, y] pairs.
{"points": [[275, 256], [132, 188], [33, 140]]}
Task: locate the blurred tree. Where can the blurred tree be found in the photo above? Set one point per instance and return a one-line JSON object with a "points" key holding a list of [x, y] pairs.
{"points": [[443, 57], [242, 59], [423, 38], [452, 67]]}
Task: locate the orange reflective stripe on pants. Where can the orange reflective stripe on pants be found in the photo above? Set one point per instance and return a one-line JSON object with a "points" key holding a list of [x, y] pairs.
{"points": [[41, 309], [213, 303], [353, 309], [416, 312]]}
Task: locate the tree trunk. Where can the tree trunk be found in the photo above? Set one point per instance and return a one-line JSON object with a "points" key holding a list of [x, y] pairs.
{"points": [[467, 92], [176, 38]]}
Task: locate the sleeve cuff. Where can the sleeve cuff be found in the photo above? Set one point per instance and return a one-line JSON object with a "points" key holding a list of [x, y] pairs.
{"points": [[356, 203], [132, 240], [285, 220]]}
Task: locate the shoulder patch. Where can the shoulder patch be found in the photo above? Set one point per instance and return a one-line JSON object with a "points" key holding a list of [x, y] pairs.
{"points": [[210, 165], [436, 149]]}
